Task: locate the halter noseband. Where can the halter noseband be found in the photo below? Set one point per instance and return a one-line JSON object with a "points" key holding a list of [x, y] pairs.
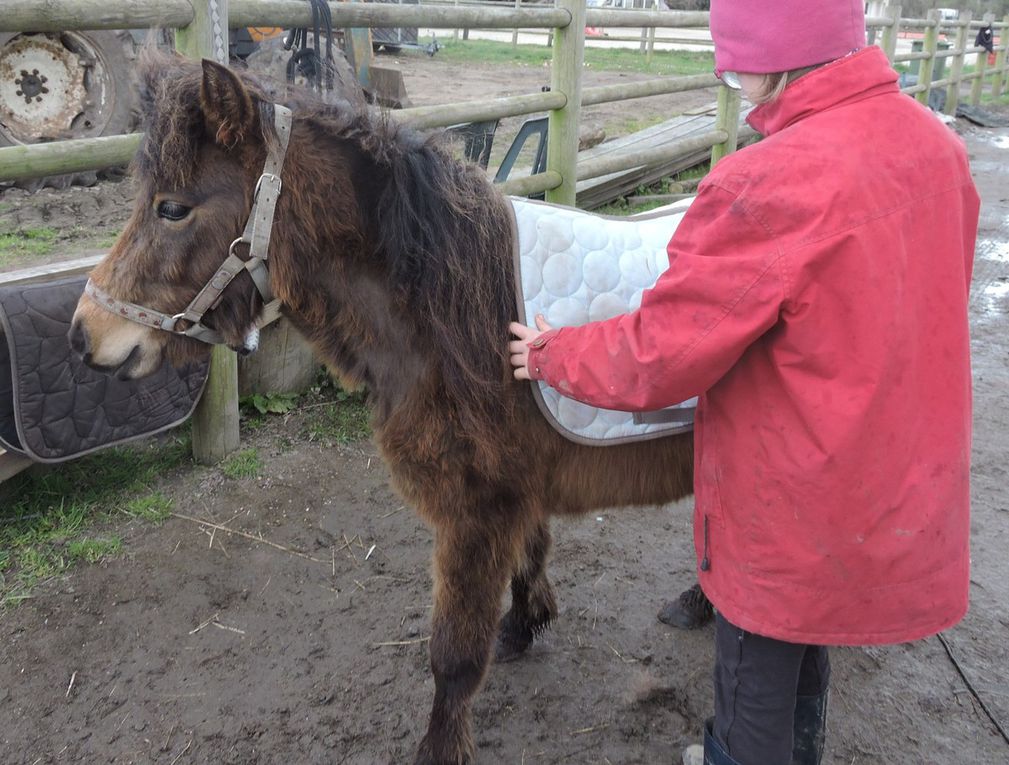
{"points": [[257, 235]]}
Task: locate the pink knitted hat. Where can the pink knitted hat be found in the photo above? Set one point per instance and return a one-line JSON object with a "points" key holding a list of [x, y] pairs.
{"points": [[763, 36]]}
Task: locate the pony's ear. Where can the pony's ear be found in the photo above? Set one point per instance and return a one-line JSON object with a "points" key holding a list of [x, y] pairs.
{"points": [[228, 107]]}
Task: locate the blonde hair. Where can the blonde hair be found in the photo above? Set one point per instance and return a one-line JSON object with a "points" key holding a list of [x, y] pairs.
{"points": [[773, 85]]}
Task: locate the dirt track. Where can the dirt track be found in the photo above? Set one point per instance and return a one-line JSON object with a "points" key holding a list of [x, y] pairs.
{"points": [[199, 649]]}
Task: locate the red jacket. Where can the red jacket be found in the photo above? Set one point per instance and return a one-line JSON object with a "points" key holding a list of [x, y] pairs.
{"points": [[816, 299]]}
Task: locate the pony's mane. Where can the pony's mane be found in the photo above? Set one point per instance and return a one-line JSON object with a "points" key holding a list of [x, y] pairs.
{"points": [[442, 230]]}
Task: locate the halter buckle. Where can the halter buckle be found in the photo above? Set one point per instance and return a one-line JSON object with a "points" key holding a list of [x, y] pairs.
{"points": [[269, 178]]}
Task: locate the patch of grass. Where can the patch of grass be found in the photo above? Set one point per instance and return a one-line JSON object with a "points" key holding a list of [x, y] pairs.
{"points": [[605, 59], [93, 550], [47, 514], [154, 507], [341, 421], [20, 244], [243, 464]]}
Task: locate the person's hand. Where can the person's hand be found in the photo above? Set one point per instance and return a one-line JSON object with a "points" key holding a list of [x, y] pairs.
{"points": [[519, 349]]}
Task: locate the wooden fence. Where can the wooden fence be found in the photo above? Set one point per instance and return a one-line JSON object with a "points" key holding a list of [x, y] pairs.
{"points": [[201, 31]]}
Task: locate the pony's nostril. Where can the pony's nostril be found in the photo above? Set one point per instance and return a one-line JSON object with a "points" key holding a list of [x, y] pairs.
{"points": [[79, 338]]}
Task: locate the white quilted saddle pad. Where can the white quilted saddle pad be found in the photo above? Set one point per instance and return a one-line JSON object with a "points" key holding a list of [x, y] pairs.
{"points": [[575, 267]]}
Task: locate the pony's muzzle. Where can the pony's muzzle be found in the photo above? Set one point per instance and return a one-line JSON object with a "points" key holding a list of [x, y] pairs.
{"points": [[249, 345], [78, 338], [110, 344]]}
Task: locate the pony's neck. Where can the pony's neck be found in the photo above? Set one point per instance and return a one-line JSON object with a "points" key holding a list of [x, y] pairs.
{"points": [[400, 267], [333, 287]]}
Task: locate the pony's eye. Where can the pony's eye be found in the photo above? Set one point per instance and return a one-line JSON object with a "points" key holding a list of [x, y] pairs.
{"points": [[173, 210]]}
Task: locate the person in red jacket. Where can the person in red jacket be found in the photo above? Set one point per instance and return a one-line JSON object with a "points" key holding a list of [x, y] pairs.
{"points": [[816, 300]]}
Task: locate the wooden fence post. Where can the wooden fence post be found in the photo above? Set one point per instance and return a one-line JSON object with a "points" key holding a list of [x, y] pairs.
{"points": [[930, 45], [515, 32], [651, 36], [982, 64], [215, 422], [566, 78], [727, 119], [207, 36], [1000, 61], [891, 32], [956, 70], [643, 48]]}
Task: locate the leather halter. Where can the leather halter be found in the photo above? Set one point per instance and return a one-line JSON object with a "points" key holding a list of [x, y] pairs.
{"points": [[256, 234]]}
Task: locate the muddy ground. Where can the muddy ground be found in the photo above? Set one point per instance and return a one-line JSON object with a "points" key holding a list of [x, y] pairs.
{"points": [[196, 646]]}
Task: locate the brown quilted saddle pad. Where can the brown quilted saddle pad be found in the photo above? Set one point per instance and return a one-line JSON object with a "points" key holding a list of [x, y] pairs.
{"points": [[52, 406]]}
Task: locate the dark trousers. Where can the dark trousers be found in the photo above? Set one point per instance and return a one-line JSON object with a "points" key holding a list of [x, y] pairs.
{"points": [[757, 680]]}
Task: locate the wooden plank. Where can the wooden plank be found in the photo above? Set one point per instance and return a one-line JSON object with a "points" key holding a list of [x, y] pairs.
{"points": [[51, 271], [599, 191], [706, 109]]}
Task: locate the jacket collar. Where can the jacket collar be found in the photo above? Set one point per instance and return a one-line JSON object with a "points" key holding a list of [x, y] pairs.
{"points": [[860, 75]]}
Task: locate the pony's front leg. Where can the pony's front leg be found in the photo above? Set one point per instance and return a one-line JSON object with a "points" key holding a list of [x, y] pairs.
{"points": [[473, 559]]}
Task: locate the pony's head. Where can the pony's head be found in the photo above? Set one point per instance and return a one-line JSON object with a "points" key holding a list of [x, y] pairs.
{"points": [[195, 175]]}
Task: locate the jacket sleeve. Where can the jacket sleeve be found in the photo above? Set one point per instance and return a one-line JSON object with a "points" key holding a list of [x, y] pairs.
{"points": [[723, 289]]}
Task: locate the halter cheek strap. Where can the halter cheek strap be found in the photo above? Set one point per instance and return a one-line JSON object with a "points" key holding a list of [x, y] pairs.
{"points": [[257, 233]]}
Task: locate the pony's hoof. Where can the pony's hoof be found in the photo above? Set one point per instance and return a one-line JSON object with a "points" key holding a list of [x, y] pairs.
{"points": [[425, 756], [510, 647]]}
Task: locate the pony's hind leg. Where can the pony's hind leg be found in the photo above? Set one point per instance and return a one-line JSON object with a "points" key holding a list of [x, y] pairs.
{"points": [[533, 606], [472, 564]]}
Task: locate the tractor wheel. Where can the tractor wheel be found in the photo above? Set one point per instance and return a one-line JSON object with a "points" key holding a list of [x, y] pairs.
{"points": [[60, 85]]}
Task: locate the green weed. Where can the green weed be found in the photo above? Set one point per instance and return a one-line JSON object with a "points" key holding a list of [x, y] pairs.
{"points": [[93, 550], [341, 421], [154, 507], [243, 464], [269, 403]]}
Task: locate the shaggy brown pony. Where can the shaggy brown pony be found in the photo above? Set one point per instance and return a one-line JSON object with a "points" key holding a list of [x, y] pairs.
{"points": [[395, 261]]}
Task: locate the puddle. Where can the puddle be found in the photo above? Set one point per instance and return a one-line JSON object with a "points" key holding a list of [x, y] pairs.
{"points": [[994, 300], [1001, 141], [995, 251]]}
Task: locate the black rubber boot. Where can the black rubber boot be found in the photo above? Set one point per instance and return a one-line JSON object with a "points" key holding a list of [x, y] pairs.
{"points": [[810, 729], [714, 752], [689, 611]]}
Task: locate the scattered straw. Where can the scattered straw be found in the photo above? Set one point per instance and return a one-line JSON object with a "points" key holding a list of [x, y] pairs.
{"points": [[591, 729], [401, 642], [70, 687], [179, 755], [260, 539], [203, 624], [226, 627]]}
